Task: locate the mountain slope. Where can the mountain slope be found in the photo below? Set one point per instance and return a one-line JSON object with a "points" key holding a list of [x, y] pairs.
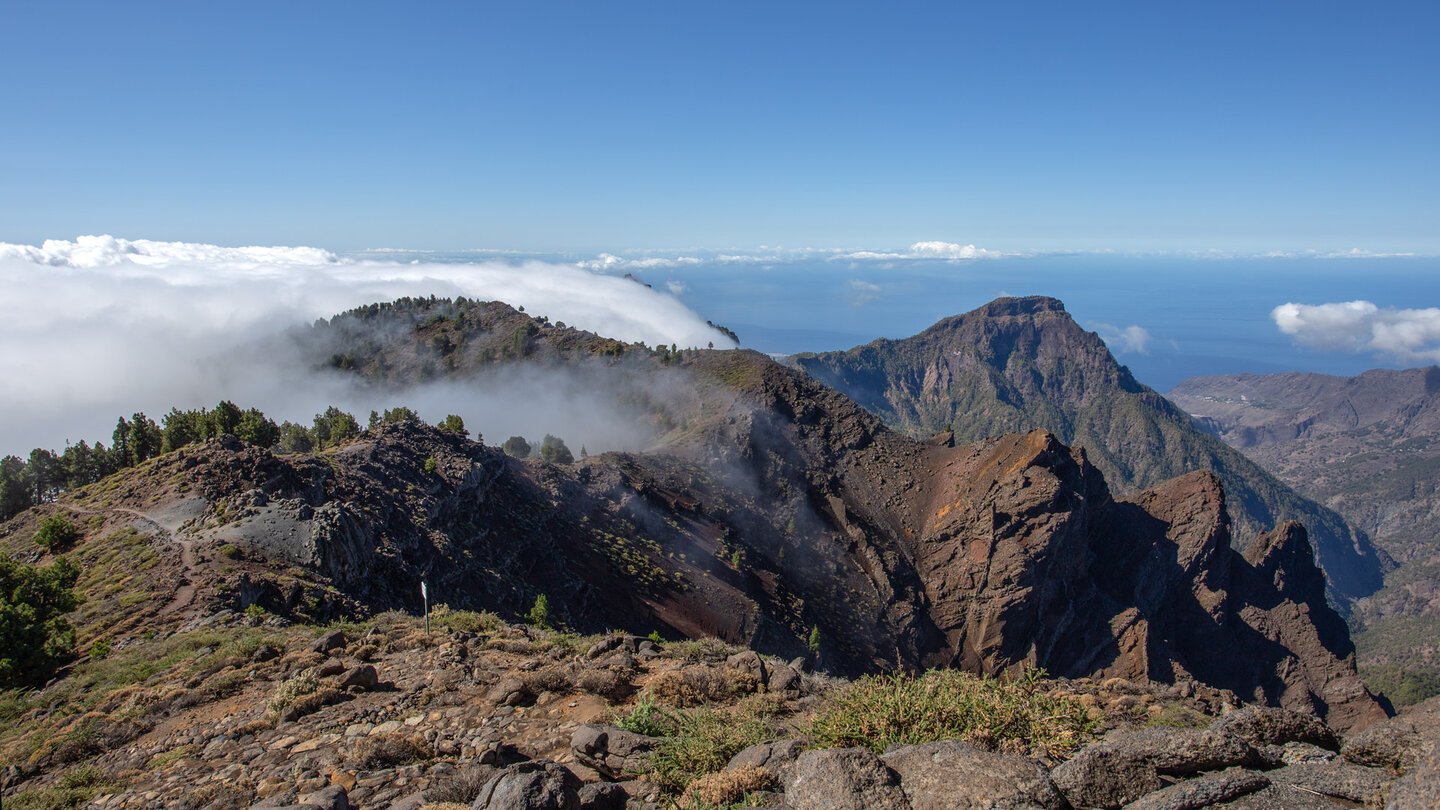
{"points": [[1367, 446], [1023, 364], [781, 508]]}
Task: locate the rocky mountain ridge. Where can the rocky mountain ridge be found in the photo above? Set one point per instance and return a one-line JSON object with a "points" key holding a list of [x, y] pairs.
{"points": [[1020, 364], [791, 512]]}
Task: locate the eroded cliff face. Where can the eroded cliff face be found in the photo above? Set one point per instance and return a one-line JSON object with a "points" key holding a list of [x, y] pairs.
{"points": [[786, 508]]}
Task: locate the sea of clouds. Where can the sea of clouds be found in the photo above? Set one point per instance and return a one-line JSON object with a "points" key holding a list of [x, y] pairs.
{"points": [[101, 327]]}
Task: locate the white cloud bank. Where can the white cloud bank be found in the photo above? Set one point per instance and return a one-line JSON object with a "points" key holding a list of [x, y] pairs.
{"points": [[101, 326], [1123, 340], [1410, 335]]}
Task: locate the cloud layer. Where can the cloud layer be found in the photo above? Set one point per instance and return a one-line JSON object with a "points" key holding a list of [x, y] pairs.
{"points": [[102, 326], [1360, 326]]}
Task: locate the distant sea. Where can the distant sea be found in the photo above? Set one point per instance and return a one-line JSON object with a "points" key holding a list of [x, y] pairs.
{"points": [[1202, 315]]}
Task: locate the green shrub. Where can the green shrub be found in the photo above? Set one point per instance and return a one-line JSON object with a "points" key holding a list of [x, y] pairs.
{"points": [[35, 639], [647, 718], [56, 532], [878, 711], [703, 742], [539, 614]]}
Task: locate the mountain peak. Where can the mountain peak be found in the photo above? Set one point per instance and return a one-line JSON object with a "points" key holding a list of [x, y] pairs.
{"points": [[1025, 305]]}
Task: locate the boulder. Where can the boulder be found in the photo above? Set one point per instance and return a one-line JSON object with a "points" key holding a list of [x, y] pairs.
{"points": [[1203, 791], [1285, 797], [843, 779], [508, 692], [328, 798], [603, 796], [535, 785], [1125, 766], [784, 680], [363, 677], [777, 756], [1420, 788], [1268, 725], [749, 662], [1353, 783], [954, 774], [1398, 743], [611, 750], [332, 640]]}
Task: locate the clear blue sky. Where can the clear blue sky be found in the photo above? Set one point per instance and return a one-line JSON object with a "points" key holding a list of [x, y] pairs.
{"points": [[592, 125]]}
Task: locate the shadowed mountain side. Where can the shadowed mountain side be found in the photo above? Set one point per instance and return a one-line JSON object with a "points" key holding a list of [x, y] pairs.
{"points": [[1021, 364], [1368, 447], [783, 507]]}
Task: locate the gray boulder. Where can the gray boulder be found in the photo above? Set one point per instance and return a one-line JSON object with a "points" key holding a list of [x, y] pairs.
{"points": [[611, 750], [333, 797], [843, 779], [1202, 791], [1268, 725], [777, 756], [1398, 743], [1341, 780], [363, 677], [1125, 766], [333, 640], [954, 774], [784, 680], [1420, 788], [535, 785]]}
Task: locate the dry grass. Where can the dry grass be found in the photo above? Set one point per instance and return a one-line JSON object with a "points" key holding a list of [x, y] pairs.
{"points": [[1011, 715], [390, 751], [728, 787]]}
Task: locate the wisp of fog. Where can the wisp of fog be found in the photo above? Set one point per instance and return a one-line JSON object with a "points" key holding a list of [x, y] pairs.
{"points": [[102, 327]]}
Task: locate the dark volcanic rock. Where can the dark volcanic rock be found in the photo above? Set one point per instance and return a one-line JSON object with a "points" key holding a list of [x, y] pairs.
{"points": [[1397, 743], [1343, 781], [778, 757], [534, 785], [1202, 791], [1265, 725], [611, 750], [1420, 788], [1019, 364], [843, 779], [953, 775], [1126, 766]]}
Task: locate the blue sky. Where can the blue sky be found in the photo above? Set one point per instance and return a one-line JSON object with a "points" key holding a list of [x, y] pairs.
{"points": [[582, 127]]}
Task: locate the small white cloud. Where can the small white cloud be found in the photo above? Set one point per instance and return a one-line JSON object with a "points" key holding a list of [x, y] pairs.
{"points": [[925, 250], [1361, 326], [675, 287], [608, 262], [861, 292], [1132, 338], [948, 250]]}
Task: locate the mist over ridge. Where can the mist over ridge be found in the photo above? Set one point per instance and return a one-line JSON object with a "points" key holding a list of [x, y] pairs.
{"points": [[101, 326]]}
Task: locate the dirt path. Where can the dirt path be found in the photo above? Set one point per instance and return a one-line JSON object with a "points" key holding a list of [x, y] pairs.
{"points": [[185, 589]]}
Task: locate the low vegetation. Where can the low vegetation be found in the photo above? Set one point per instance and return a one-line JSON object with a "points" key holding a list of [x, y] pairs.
{"points": [[1013, 714]]}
